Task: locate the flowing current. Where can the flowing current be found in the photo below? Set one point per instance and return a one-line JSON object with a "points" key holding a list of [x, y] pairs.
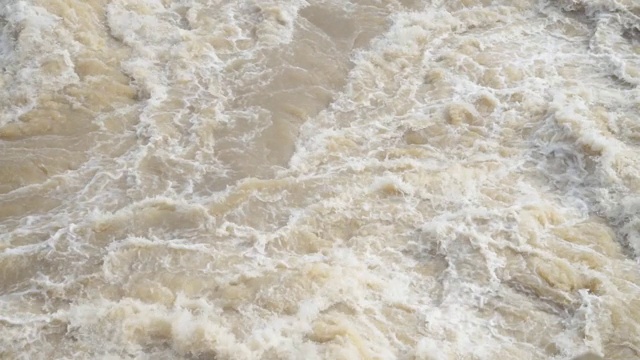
{"points": [[289, 179]]}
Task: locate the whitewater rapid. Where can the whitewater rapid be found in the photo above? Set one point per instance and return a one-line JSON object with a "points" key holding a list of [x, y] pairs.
{"points": [[288, 179]]}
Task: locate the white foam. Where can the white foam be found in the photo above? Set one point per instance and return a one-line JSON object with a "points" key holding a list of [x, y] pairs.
{"points": [[467, 189]]}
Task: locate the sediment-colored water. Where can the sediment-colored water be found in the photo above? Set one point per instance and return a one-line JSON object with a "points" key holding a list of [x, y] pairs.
{"points": [[288, 179]]}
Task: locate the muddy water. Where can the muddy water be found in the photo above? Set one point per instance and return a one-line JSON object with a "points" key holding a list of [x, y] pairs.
{"points": [[319, 180]]}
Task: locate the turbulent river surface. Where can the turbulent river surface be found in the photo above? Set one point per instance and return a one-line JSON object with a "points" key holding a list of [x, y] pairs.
{"points": [[289, 179]]}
